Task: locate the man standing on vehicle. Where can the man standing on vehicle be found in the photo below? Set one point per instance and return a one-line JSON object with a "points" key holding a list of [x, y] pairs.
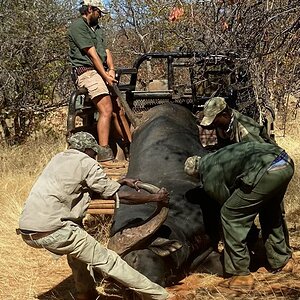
{"points": [[247, 179], [93, 66], [51, 218]]}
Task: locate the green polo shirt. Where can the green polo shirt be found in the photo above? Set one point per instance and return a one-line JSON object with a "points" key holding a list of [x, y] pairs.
{"points": [[234, 166], [82, 36]]}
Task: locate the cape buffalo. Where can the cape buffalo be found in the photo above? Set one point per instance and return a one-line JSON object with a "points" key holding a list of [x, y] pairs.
{"points": [[185, 241]]}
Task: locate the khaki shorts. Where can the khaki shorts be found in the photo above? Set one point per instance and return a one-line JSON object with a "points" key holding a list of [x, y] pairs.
{"points": [[93, 82]]}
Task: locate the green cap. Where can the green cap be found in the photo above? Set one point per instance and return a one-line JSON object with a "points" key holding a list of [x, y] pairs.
{"points": [[191, 165], [212, 107], [96, 3], [83, 140]]}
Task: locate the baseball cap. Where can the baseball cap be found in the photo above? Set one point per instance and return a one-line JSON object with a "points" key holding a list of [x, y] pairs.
{"points": [[96, 3], [191, 165], [83, 140], [212, 107]]}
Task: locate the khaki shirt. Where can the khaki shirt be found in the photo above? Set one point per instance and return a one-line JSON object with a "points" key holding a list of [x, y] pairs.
{"points": [[61, 192], [235, 166]]}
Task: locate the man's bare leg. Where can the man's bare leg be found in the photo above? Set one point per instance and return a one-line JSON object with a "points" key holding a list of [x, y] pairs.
{"points": [[104, 107]]}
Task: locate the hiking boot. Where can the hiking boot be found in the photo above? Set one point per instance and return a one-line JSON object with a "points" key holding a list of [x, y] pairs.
{"points": [[290, 266], [105, 154], [239, 282]]}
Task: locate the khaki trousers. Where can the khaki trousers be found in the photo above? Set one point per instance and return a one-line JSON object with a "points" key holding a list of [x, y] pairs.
{"points": [[86, 256], [238, 214]]}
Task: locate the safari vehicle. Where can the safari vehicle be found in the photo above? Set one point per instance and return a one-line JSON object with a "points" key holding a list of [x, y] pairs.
{"points": [[188, 79]]}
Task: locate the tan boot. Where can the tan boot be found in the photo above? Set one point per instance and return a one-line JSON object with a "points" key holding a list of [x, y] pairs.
{"points": [[290, 266], [239, 282]]}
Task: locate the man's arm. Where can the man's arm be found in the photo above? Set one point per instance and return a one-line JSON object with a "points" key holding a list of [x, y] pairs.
{"points": [[93, 55], [214, 186], [129, 182], [110, 63], [98, 182], [137, 197]]}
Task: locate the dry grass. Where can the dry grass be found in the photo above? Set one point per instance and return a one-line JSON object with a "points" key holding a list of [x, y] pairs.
{"points": [[291, 143], [27, 273]]}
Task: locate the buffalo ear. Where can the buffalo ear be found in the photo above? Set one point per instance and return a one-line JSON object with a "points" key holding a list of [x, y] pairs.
{"points": [[164, 247]]}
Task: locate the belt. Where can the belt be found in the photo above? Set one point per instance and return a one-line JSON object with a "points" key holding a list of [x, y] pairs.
{"points": [[33, 235], [282, 156], [80, 70], [280, 161]]}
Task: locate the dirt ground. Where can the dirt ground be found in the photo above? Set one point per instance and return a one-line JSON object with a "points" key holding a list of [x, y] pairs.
{"points": [[195, 286], [27, 273], [204, 286]]}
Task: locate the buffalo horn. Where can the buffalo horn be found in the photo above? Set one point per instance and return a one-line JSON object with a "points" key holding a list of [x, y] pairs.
{"points": [[122, 242]]}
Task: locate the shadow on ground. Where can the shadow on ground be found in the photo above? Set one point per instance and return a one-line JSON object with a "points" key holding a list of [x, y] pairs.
{"points": [[65, 290]]}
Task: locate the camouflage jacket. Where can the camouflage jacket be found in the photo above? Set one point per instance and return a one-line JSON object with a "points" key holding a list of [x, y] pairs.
{"points": [[236, 166], [242, 129]]}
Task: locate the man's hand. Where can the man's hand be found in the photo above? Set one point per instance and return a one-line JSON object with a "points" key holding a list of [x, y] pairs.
{"points": [[130, 182], [97, 62], [162, 195], [111, 73], [110, 80], [134, 197]]}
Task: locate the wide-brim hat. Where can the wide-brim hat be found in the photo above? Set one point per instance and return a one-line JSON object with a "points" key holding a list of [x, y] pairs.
{"points": [[212, 107], [96, 3]]}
